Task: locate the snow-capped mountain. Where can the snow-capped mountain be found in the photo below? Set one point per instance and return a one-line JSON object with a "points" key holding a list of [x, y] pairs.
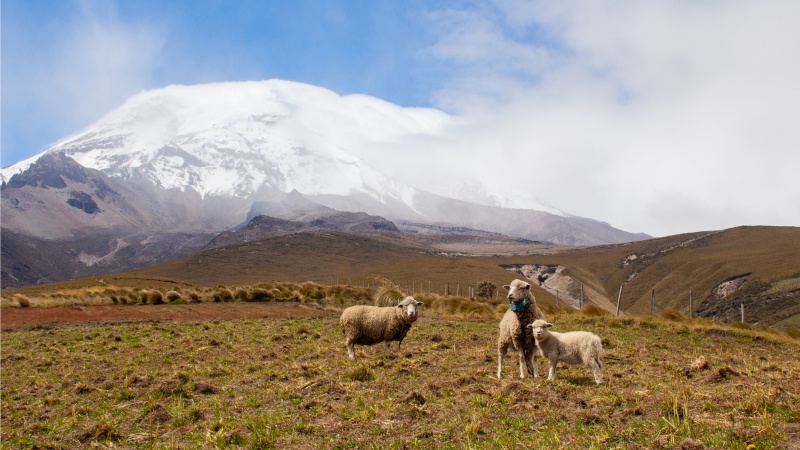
{"points": [[169, 170], [250, 138], [235, 139], [204, 158]]}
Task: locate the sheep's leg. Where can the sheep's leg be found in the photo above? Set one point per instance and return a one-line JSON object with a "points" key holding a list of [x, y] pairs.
{"points": [[522, 362], [501, 353], [597, 371], [386, 348], [532, 363], [351, 348], [552, 373]]}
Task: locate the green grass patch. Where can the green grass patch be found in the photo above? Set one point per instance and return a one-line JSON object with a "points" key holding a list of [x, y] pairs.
{"points": [[288, 383]]}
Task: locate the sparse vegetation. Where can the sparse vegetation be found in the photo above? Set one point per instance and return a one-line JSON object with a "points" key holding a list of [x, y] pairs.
{"points": [[288, 383], [485, 289], [23, 301]]}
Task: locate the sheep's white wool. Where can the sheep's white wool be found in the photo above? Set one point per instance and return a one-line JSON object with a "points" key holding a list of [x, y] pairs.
{"points": [[369, 325], [574, 347], [513, 332]]}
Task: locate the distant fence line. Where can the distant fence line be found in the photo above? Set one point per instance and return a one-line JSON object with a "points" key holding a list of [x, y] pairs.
{"points": [[470, 291], [412, 287]]}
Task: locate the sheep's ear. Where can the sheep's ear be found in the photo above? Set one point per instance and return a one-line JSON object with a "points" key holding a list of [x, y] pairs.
{"points": [[400, 306], [506, 287], [549, 325], [527, 287], [420, 303]]}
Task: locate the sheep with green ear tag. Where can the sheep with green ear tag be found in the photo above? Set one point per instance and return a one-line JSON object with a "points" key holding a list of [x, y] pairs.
{"points": [[522, 311]]}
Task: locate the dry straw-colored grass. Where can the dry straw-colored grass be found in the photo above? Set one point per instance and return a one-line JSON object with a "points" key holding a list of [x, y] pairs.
{"points": [[289, 384]]}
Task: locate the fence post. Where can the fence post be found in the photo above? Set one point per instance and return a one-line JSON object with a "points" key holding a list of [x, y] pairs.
{"points": [[742, 304], [691, 307], [619, 296], [580, 304], [652, 300]]}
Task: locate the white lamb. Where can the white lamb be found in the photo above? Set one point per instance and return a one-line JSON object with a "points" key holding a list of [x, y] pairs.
{"points": [[574, 347]]}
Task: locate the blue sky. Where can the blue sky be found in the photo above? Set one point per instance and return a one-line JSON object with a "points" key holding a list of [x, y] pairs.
{"points": [[658, 116], [56, 53]]}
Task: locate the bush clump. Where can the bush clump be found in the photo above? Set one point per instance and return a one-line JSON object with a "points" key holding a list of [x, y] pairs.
{"points": [[673, 315], [155, 297], [223, 295], [362, 374], [485, 289], [173, 296], [593, 311], [24, 302], [260, 295]]}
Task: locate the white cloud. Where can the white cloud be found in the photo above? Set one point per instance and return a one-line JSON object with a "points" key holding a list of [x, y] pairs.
{"points": [[102, 61], [74, 71], [661, 117]]}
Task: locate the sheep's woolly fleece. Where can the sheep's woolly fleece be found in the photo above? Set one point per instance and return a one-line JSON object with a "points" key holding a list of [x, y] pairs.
{"points": [[369, 325], [513, 331], [574, 348]]}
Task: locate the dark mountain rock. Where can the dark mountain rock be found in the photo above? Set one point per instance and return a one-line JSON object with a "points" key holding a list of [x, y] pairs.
{"points": [[83, 201]]}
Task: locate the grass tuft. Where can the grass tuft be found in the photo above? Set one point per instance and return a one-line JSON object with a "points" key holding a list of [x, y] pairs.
{"points": [[362, 374]]}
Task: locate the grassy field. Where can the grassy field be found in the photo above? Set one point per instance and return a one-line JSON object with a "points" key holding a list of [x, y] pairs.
{"points": [[288, 383]]}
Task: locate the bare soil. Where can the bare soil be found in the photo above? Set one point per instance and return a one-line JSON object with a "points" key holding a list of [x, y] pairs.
{"points": [[22, 318]]}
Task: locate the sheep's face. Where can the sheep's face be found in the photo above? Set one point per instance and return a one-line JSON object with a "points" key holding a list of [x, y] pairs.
{"points": [[540, 327], [410, 309], [517, 291]]}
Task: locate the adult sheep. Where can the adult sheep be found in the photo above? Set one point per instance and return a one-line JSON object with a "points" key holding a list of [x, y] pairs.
{"points": [[370, 325], [574, 347], [522, 312]]}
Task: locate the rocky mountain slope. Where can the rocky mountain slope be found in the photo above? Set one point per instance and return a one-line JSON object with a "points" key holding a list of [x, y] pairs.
{"points": [[190, 162]]}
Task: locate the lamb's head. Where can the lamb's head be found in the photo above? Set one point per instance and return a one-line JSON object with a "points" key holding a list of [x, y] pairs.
{"points": [[540, 328], [518, 291], [410, 308]]}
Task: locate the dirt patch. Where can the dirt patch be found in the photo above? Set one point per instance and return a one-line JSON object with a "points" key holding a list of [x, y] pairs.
{"points": [[21, 318]]}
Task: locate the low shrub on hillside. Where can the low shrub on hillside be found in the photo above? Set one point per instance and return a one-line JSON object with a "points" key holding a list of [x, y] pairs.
{"points": [[389, 295], [155, 297], [241, 294], [672, 315], [594, 311], [24, 302], [173, 296], [223, 294], [260, 295]]}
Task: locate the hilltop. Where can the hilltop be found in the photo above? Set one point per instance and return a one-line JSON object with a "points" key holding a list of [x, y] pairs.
{"points": [[755, 266]]}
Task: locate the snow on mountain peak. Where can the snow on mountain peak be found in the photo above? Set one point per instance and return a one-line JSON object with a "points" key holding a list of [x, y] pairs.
{"points": [[238, 138], [231, 139]]}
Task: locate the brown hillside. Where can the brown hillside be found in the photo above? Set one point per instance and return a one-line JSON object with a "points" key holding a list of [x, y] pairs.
{"points": [[769, 257], [766, 261]]}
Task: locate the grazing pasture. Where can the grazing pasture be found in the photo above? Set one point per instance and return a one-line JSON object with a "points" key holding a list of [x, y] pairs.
{"points": [[286, 382]]}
